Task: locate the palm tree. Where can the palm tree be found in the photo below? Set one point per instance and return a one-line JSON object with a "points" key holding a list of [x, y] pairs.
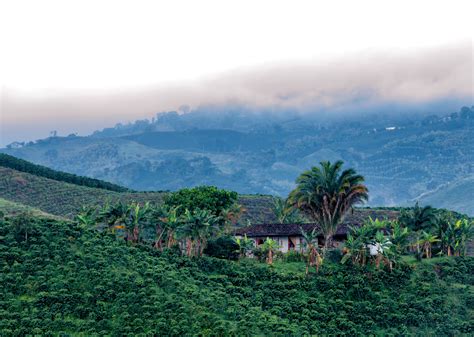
{"points": [[311, 241], [245, 245], [284, 212], [270, 246], [383, 245], [170, 223], [361, 239], [419, 218], [463, 231], [327, 193]]}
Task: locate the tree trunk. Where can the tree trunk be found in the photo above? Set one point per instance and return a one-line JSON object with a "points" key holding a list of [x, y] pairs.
{"points": [[327, 243], [449, 250], [189, 247], [136, 234], [270, 257], [377, 261]]}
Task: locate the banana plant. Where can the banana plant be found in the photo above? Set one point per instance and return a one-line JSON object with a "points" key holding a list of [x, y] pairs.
{"points": [[311, 241], [270, 246], [245, 245], [426, 241], [135, 220], [86, 217]]}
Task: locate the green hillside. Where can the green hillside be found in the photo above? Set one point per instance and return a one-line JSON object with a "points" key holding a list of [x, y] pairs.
{"points": [[58, 279], [42, 171], [65, 278], [64, 199], [57, 197], [10, 208], [459, 193]]}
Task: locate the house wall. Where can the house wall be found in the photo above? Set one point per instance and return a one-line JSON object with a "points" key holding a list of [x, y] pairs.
{"points": [[283, 242]]}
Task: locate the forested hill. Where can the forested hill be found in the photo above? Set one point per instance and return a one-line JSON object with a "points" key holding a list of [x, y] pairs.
{"points": [[42, 171]]}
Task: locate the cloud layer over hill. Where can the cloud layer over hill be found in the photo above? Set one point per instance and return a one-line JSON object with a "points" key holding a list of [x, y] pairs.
{"points": [[355, 83]]}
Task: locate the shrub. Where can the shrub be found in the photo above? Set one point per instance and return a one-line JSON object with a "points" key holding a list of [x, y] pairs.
{"points": [[222, 248], [294, 256]]}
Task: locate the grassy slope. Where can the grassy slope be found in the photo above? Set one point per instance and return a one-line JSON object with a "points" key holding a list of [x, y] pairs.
{"points": [[454, 194], [10, 208]]}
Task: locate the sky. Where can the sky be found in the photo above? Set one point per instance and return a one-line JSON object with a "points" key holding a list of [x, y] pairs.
{"points": [[77, 66]]}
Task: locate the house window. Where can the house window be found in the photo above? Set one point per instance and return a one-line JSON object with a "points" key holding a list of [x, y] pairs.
{"points": [[291, 243]]}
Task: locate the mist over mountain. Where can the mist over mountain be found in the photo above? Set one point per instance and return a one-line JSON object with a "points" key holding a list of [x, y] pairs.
{"points": [[405, 156]]}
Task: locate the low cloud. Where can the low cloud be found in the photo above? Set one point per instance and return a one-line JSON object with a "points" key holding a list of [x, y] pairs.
{"points": [[364, 80]]}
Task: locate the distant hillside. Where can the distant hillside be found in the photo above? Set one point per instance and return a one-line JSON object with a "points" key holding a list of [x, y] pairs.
{"points": [[459, 193], [42, 171], [402, 155]]}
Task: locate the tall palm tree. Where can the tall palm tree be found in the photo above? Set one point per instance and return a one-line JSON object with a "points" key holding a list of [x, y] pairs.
{"points": [[326, 193]]}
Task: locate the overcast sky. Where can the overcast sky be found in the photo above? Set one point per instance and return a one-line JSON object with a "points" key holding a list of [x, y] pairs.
{"points": [[75, 66]]}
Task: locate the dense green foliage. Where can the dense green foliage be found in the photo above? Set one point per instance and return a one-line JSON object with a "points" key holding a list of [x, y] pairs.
{"points": [[202, 197], [57, 277], [42, 171]]}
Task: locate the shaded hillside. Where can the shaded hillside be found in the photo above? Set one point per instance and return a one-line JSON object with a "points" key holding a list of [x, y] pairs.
{"points": [[63, 199], [459, 193]]}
